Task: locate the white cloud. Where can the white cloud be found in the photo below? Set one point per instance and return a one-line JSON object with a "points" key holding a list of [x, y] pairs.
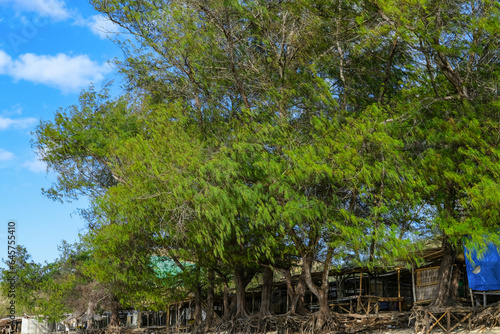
{"points": [[16, 109], [35, 165], [101, 25], [5, 61], [21, 123], [67, 73], [5, 155], [55, 9]]}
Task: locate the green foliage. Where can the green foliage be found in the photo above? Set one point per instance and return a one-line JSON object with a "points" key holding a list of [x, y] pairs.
{"points": [[258, 133], [27, 277]]}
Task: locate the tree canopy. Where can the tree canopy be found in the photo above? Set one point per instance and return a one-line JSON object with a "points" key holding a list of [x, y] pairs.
{"points": [[264, 135]]}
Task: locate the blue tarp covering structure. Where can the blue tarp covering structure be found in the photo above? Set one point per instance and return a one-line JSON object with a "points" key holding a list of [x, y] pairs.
{"points": [[483, 272]]}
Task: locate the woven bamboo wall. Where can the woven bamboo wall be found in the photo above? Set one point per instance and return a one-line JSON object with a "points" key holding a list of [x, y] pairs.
{"points": [[426, 283]]}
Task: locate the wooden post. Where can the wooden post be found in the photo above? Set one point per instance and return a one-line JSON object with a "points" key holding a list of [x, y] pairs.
{"points": [[354, 281], [338, 286], [426, 321], [448, 321], [399, 288], [413, 283], [360, 283], [177, 322], [253, 302], [167, 323], [383, 288], [369, 284], [358, 306], [287, 302]]}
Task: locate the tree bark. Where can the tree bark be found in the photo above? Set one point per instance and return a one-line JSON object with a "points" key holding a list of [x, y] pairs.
{"points": [[296, 294], [455, 282], [115, 308], [229, 308], [197, 305], [322, 291], [266, 293], [239, 278], [445, 271], [90, 315]]}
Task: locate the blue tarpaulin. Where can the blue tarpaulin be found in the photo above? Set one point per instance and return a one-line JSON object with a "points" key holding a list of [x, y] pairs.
{"points": [[483, 272]]}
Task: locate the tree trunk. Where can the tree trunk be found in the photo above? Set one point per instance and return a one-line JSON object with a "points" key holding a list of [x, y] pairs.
{"points": [[298, 303], [210, 300], [455, 282], [445, 271], [197, 305], [296, 294], [239, 277], [266, 293], [115, 308], [322, 291], [229, 308], [90, 315]]}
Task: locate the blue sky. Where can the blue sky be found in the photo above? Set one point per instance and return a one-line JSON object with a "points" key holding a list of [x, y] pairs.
{"points": [[49, 51]]}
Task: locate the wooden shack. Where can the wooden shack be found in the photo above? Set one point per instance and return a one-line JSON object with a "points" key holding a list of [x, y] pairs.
{"points": [[425, 277], [361, 290]]}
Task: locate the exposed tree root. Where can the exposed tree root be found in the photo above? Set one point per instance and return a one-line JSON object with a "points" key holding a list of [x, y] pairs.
{"points": [[294, 324], [280, 324], [487, 318]]}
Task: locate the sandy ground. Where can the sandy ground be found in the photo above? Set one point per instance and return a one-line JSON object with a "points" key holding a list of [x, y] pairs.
{"points": [[495, 330]]}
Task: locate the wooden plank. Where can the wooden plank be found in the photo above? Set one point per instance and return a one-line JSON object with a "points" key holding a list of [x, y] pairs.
{"points": [[426, 321], [413, 282], [346, 310], [167, 323], [465, 318], [399, 287], [437, 321], [361, 306], [448, 322], [360, 284], [391, 299]]}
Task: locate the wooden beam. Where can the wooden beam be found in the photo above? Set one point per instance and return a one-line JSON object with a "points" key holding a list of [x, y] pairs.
{"points": [[448, 322], [360, 283], [413, 282], [464, 318], [399, 288], [168, 319], [437, 321]]}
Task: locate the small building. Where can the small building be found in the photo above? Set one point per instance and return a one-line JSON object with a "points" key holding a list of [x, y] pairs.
{"points": [[35, 325]]}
